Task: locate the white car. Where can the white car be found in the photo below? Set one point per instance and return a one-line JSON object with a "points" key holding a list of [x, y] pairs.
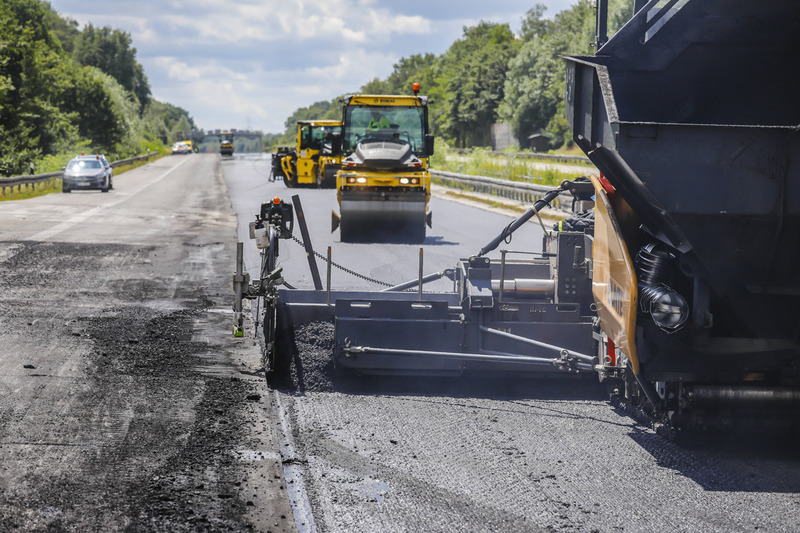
{"points": [[181, 148]]}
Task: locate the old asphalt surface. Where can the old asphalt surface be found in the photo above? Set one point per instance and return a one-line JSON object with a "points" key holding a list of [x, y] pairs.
{"points": [[127, 405], [125, 402]]}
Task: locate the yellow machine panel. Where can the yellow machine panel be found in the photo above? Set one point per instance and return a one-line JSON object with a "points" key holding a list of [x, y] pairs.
{"points": [[614, 279]]}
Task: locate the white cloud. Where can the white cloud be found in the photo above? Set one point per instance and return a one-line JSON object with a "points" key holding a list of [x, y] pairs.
{"points": [[230, 63], [356, 65]]}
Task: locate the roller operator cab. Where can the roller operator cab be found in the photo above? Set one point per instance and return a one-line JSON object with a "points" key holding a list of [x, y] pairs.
{"points": [[384, 185], [226, 143], [311, 161]]}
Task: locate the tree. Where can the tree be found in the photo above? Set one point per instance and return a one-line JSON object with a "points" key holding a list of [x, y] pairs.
{"points": [[534, 25], [534, 89], [32, 77], [474, 72], [111, 51]]}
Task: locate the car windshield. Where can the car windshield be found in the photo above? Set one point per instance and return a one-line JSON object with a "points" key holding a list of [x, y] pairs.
{"points": [[384, 122], [84, 163]]}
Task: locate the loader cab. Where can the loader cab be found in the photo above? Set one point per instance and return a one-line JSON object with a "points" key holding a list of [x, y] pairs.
{"points": [[317, 136]]}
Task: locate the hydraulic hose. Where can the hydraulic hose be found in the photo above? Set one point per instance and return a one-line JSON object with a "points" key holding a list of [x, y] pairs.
{"points": [[527, 215]]}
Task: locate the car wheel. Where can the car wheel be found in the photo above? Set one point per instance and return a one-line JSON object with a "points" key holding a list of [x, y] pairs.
{"points": [[65, 190]]}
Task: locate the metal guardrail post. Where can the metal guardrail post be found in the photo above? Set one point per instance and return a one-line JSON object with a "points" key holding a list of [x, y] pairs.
{"points": [[312, 260], [420, 274], [328, 286]]}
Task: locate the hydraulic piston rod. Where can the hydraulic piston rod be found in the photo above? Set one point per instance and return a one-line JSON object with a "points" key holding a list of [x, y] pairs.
{"points": [[526, 359], [532, 288]]}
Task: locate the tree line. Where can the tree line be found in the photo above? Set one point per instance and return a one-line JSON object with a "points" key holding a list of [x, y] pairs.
{"points": [[491, 75], [63, 89]]}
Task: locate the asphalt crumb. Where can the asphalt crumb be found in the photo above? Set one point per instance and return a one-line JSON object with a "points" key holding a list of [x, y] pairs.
{"points": [[154, 349], [307, 361], [154, 414]]}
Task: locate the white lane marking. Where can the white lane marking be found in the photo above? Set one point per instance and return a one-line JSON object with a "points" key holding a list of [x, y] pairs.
{"points": [[293, 474], [76, 219]]}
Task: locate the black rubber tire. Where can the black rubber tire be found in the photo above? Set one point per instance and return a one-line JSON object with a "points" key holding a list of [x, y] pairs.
{"points": [[66, 190], [329, 181]]}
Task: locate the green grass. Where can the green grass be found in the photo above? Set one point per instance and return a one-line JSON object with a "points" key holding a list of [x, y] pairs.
{"points": [[30, 190], [479, 162]]}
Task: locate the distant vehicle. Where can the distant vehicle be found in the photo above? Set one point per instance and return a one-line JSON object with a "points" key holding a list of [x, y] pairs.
{"points": [[108, 168], [181, 148], [226, 143], [87, 172]]}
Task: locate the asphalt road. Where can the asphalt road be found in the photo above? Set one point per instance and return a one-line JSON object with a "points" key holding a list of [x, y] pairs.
{"points": [[367, 454], [126, 404]]}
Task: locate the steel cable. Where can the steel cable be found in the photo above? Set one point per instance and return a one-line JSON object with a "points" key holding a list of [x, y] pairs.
{"points": [[344, 268]]}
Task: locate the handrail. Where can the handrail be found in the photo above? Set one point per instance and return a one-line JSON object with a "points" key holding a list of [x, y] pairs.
{"points": [[513, 190], [530, 155]]}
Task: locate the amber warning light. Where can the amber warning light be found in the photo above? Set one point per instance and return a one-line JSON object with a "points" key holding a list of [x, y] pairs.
{"points": [[415, 88]]}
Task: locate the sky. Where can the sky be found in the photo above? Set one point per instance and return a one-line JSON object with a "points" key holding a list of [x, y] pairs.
{"points": [[249, 64]]}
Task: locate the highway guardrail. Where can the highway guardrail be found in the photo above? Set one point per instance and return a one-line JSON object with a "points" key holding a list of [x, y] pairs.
{"points": [[529, 155], [512, 190], [23, 182]]}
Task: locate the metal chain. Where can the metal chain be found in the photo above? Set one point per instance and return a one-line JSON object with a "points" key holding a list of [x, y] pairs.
{"points": [[343, 268]]}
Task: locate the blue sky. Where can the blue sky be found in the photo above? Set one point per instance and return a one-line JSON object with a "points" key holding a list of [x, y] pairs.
{"points": [[251, 63]]}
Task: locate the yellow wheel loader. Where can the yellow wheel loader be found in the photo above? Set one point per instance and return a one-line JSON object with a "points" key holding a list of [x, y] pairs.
{"points": [[310, 162]]}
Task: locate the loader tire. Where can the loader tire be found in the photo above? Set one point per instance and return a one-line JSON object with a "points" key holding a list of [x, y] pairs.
{"points": [[329, 181]]}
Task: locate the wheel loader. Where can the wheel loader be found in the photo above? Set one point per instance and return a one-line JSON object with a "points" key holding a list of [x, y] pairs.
{"points": [[310, 162], [683, 294]]}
